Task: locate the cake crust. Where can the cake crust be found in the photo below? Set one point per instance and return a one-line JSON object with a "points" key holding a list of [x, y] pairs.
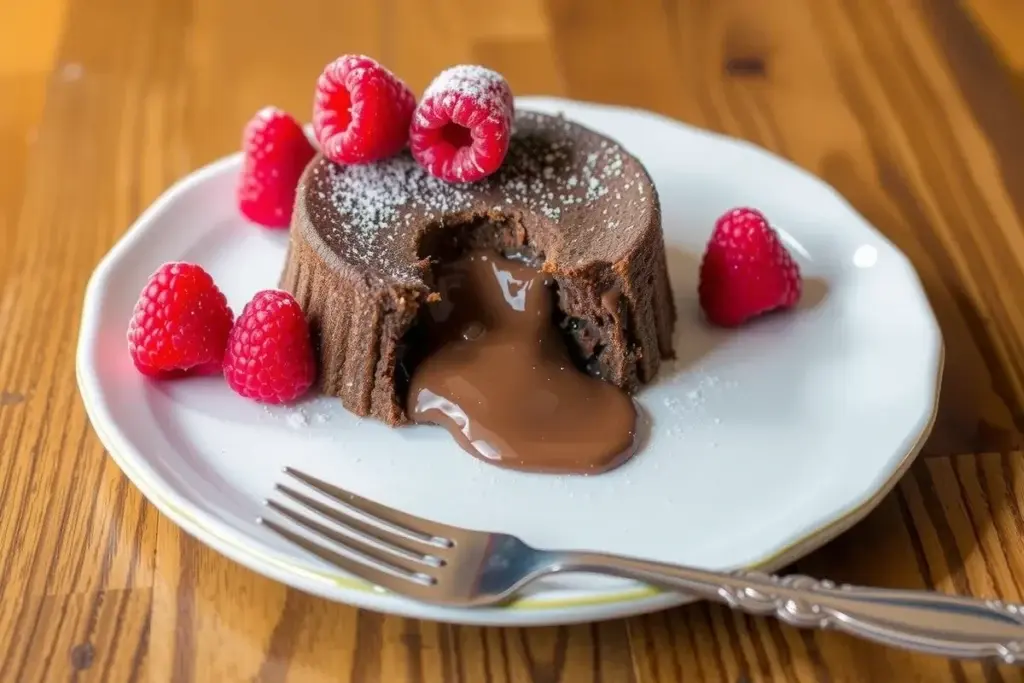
{"points": [[364, 240]]}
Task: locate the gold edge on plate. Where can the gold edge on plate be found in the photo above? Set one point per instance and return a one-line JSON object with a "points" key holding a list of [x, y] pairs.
{"points": [[798, 548]]}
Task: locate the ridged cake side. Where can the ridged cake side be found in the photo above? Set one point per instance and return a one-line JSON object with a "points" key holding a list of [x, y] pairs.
{"points": [[364, 239], [357, 330]]}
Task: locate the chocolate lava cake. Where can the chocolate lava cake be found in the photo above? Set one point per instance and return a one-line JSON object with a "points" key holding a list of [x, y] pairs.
{"points": [[366, 238]]}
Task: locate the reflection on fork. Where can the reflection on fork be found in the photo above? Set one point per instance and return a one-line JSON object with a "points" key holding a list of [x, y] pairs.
{"points": [[441, 564]]}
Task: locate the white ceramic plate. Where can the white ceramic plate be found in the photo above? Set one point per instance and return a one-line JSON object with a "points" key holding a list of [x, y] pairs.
{"points": [[766, 442]]}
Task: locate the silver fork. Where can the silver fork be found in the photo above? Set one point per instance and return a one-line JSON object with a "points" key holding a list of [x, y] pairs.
{"points": [[442, 564]]}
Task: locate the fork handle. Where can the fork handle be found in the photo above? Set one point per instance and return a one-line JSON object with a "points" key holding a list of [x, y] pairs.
{"points": [[936, 623]]}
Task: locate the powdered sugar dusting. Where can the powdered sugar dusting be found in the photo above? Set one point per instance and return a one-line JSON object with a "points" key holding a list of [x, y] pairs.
{"points": [[308, 414], [469, 80], [297, 419], [370, 206], [375, 199], [689, 405]]}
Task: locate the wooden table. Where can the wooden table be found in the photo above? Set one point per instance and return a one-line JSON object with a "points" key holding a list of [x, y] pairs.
{"points": [[913, 109]]}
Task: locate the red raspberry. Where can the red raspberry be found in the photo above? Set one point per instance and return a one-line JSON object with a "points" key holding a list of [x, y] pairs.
{"points": [[461, 129], [269, 356], [361, 111], [180, 324], [276, 152], [746, 270]]}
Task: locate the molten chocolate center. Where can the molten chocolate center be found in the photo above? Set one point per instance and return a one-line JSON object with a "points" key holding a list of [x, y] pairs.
{"points": [[499, 376]]}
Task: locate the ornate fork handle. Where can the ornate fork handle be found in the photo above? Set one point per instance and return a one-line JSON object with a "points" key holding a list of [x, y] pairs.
{"points": [[937, 623]]}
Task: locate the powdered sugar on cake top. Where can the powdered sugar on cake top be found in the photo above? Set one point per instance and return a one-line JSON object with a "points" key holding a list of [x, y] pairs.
{"points": [[546, 172], [374, 197], [477, 82]]}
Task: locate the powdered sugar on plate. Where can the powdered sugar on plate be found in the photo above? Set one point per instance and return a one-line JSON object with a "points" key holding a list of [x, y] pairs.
{"points": [[689, 403], [313, 412]]}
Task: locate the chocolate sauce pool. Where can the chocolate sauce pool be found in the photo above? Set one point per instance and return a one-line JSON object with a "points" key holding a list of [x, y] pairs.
{"points": [[500, 378]]}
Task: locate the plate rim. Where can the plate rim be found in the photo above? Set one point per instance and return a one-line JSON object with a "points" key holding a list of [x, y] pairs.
{"points": [[529, 610]]}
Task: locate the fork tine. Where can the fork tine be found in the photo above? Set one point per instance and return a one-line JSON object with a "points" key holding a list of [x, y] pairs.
{"points": [[399, 545], [397, 521], [386, 580], [368, 553]]}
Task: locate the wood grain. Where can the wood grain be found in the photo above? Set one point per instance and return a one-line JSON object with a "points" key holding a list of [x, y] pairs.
{"points": [[912, 110]]}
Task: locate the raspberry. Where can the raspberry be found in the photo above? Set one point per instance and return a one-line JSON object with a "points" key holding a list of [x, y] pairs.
{"points": [[269, 356], [361, 111], [180, 324], [746, 270], [276, 152], [461, 129]]}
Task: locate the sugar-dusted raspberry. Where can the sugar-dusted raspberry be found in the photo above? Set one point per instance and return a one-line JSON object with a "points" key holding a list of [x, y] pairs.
{"points": [[461, 129]]}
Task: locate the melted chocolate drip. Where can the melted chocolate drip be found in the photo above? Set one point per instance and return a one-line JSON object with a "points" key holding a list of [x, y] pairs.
{"points": [[499, 376]]}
